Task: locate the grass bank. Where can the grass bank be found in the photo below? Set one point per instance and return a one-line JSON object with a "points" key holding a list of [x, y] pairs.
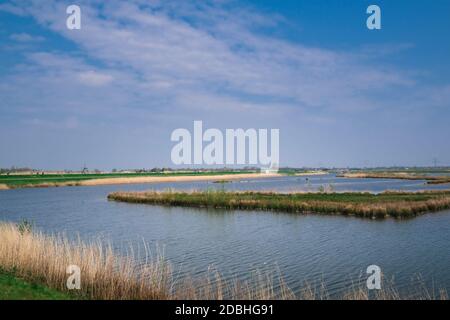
{"points": [[383, 205], [398, 175], [39, 263], [60, 180], [14, 288]]}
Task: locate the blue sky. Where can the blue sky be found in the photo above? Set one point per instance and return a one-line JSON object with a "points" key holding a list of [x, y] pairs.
{"points": [[109, 95]]}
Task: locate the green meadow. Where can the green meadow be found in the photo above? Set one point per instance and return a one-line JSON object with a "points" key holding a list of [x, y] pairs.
{"points": [[13, 288], [27, 180]]}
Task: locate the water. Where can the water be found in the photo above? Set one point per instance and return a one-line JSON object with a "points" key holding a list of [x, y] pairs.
{"points": [[330, 249]]}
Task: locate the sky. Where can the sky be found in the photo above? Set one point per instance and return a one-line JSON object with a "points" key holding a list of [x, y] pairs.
{"points": [[110, 94]]}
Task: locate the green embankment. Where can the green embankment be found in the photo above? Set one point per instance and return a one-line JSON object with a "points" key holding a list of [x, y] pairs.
{"points": [[29, 180], [12, 288], [387, 204]]}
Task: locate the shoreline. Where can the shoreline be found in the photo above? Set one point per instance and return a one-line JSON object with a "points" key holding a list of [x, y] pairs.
{"points": [[137, 180], [142, 179], [396, 175], [315, 173]]}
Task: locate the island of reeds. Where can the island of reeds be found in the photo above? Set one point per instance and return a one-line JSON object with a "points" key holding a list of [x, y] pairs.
{"points": [[368, 205]]}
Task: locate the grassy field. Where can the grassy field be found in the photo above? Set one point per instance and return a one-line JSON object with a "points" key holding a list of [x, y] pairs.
{"points": [[13, 288], [383, 205], [48, 180]]}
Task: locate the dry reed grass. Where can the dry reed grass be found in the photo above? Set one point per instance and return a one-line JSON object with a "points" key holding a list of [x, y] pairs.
{"points": [[104, 275], [39, 257]]}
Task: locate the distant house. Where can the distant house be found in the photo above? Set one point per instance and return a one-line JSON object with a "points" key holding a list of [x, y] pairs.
{"points": [[272, 169]]}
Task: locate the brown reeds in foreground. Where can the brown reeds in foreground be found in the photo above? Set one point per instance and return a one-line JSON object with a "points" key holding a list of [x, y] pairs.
{"points": [[383, 205], [43, 258], [104, 275]]}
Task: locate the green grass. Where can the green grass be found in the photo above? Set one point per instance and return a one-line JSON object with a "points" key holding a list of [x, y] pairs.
{"points": [[17, 181], [12, 288], [387, 204]]}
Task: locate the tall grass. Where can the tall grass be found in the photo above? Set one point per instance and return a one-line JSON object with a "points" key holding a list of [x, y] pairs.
{"points": [[387, 204], [104, 275], [35, 256]]}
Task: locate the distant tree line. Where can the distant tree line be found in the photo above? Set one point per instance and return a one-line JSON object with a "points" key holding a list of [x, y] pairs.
{"points": [[14, 169]]}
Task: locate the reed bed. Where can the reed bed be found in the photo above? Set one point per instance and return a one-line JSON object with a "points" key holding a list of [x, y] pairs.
{"points": [[43, 259], [104, 275], [383, 205], [397, 175]]}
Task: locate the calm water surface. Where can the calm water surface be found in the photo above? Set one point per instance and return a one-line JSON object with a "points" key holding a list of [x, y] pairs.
{"points": [[330, 249]]}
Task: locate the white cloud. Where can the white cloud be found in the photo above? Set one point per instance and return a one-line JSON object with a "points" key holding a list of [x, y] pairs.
{"points": [[142, 68], [219, 53], [8, 7], [93, 78], [25, 37], [166, 56]]}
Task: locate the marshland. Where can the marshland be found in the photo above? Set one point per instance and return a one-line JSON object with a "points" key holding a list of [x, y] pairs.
{"points": [[308, 252], [386, 204]]}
